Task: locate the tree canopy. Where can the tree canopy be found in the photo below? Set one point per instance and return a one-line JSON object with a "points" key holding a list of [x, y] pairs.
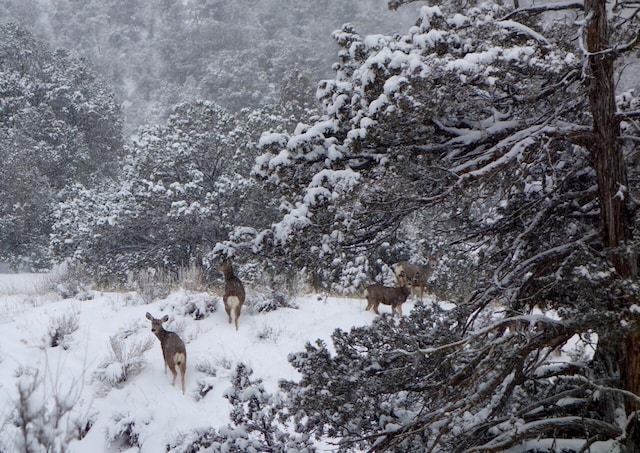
{"points": [[59, 123], [501, 137], [184, 187]]}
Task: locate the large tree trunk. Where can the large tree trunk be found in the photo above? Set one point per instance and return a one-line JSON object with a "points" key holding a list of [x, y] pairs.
{"points": [[618, 358]]}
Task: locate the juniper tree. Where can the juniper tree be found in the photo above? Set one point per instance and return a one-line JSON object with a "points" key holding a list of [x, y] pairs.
{"points": [[500, 134]]}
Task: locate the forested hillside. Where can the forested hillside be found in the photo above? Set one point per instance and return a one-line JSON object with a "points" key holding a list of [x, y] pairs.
{"points": [[158, 53], [492, 139]]}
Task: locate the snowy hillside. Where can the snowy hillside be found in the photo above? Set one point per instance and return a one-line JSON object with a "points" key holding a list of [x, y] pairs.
{"points": [[83, 371]]}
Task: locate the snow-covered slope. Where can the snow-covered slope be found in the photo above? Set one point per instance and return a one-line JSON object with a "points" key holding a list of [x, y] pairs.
{"points": [[82, 370]]}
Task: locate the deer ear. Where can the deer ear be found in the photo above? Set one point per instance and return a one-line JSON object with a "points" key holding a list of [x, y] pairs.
{"points": [[149, 317], [165, 318]]}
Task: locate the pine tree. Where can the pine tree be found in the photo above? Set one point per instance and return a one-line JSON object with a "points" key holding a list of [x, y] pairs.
{"points": [[482, 124]]}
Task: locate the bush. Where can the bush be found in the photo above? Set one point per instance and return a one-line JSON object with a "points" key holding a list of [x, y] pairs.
{"points": [[153, 285], [268, 301], [268, 334], [192, 278], [69, 280], [205, 383], [124, 432], [255, 423], [195, 441], [124, 360], [195, 305], [42, 418], [61, 328]]}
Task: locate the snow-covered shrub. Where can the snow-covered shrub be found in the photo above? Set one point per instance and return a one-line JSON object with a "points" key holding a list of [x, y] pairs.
{"points": [[195, 441], [192, 278], [67, 292], [61, 327], [255, 423], [224, 362], [68, 280], [124, 432], [382, 386], [255, 418], [42, 418], [205, 383], [125, 359], [133, 298], [207, 367], [195, 305], [268, 334], [363, 385], [279, 276], [153, 285], [353, 276], [269, 300]]}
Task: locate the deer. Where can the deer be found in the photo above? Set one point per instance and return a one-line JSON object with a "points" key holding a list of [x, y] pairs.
{"points": [[173, 350], [416, 276], [377, 294], [234, 294]]}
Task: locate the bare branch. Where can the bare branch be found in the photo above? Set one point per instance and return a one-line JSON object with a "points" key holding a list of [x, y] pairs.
{"points": [[540, 427], [539, 9], [632, 114]]}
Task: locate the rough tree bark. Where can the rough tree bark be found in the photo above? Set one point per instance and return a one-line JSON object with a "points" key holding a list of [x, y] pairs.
{"points": [[618, 356]]}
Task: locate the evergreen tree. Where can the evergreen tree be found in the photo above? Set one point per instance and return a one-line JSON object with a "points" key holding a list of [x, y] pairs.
{"points": [[184, 188], [482, 122], [255, 423], [59, 124], [158, 53]]}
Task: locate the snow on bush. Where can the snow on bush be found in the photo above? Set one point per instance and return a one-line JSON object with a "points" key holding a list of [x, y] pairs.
{"points": [[196, 305], [125, 430], [43, 416], [125, 359], [207, 381], [61, 327], [153, 284]]}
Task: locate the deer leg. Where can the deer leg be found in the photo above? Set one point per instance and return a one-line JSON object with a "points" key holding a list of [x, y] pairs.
{"points": [[375, 308], [183, 367], [237, 313], [175, 374], [227, 308]]}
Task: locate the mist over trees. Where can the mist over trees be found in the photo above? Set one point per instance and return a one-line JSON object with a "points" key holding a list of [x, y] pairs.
{"points": [[160, 53], [489, 135]]}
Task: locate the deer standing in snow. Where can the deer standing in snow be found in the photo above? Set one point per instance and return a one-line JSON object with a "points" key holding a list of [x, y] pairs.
{"points": [[173, 350], [377, 294], [234, 294], [415, 276]]}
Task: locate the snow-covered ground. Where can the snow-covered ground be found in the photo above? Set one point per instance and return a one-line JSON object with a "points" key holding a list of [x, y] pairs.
{"points": [[29, 316]]}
